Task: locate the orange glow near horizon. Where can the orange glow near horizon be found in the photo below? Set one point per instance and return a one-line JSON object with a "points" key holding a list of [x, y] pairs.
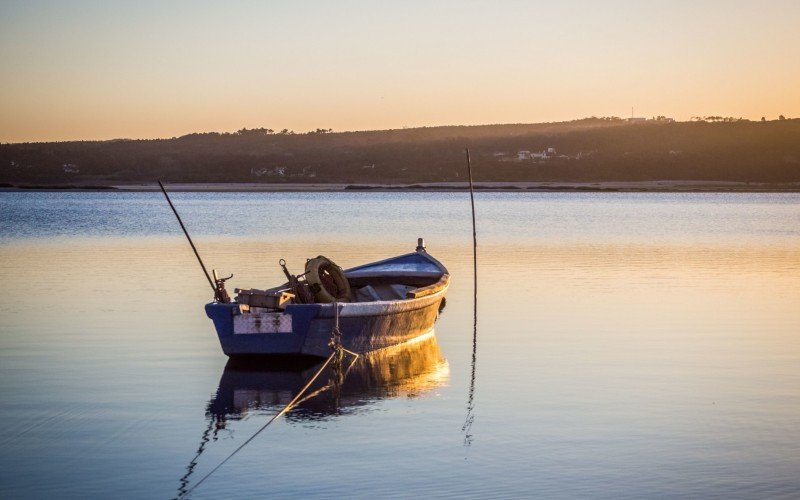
{"points": [[145, 70]]}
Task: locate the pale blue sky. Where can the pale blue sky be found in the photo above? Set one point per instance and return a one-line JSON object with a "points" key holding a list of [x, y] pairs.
{"points": [[106, 69]]}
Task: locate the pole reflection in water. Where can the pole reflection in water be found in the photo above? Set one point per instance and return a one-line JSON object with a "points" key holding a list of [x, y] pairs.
{"points": [[409, 369], [467, 427]]}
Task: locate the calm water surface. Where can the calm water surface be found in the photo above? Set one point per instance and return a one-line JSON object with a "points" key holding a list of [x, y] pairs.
{"points": [[629, 345]]}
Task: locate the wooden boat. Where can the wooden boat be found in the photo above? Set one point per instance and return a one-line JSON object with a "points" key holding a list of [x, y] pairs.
{"points": [[389, 302]]}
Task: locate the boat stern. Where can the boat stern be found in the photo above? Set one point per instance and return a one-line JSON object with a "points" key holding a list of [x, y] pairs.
{"points": [[255, 333]]}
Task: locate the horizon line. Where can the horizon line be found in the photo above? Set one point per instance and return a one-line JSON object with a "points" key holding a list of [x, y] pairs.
{"points": [[694, 119]]}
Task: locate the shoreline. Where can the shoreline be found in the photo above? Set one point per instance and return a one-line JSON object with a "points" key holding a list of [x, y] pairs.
{"points": [[667, 186]]}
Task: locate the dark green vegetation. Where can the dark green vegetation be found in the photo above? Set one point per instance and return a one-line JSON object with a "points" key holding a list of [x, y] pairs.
{"points": [[588, 150]]}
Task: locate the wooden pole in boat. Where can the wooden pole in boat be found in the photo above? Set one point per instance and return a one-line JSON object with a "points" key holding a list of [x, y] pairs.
{"points": [[188, 238]]}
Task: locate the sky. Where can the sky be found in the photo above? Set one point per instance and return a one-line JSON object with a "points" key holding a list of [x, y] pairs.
{"points": [[143, 69]]}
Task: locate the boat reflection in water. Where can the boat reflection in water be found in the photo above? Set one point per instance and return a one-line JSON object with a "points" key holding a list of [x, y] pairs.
{"points": [[408, 369]]}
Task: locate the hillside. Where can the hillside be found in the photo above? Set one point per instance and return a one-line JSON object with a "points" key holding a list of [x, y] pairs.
{"points": [[588, 150]]}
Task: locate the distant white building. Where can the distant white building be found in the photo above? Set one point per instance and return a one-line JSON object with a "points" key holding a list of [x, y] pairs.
{"points": [[524, 155], [544, 155], [70, 168], [269, 172]]}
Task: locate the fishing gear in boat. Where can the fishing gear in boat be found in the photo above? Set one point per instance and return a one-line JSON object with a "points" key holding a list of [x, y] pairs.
{"points": [[327, 280], [324, 282], [218, 285], [300, 290]]}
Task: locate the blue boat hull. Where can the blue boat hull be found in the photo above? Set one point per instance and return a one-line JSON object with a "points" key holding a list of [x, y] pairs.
{"points": [[305, 329]]}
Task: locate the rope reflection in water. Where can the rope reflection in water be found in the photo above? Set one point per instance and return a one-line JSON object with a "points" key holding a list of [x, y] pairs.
{"points": [[414, 367]]}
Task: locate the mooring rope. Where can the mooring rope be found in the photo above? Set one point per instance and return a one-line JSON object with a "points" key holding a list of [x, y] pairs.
{"points": [[285, 409], [336, 356], [336, 335], [329, 385]]}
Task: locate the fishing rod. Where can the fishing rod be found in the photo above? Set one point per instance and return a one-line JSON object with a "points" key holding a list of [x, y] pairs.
{"points": [[218, 284]]}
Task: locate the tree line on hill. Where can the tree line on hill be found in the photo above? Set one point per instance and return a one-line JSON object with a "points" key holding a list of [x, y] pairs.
{"points": [[586, 150]]}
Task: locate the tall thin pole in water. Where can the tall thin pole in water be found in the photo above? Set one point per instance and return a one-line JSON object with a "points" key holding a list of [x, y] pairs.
{"points": [[474, 235], [188, 238], [466, 428]]}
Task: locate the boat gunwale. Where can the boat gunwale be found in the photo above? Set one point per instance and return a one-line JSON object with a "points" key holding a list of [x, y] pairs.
{"points": [[382, 307]]}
